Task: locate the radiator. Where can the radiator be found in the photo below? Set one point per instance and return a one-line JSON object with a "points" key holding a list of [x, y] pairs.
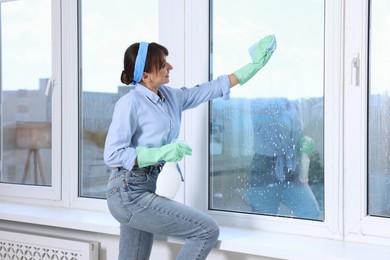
{"points": [[19, 246]]}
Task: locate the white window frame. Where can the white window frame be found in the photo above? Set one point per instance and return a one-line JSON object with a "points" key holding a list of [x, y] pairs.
{"points": [[359, 226], [52, 192], [71, 71]]}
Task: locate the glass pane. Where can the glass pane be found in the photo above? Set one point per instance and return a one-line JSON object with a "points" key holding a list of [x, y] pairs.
{"points": [[256, 161], [379, 110], [26, 67], [106, 32]]}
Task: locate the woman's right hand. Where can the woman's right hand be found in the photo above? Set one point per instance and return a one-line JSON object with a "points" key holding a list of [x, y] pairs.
{"points": [[260, 53]]}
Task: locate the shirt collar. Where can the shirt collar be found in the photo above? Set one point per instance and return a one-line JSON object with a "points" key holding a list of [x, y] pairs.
{"points": [[150, 94]]}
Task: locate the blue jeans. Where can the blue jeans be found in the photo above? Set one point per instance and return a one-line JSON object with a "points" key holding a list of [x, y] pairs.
{"points": [[296, 196], [141, 213], [265, 192]]}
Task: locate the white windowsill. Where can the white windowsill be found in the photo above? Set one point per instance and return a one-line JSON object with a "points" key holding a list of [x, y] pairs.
{"points": [[267, 244]]}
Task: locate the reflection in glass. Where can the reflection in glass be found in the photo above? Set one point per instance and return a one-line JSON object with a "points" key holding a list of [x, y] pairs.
{"points": [[266, 142], [106, 32], [26, 118], [379, 110]]}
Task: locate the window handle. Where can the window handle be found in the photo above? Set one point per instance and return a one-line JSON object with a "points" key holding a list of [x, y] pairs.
{"points": [[355, 70], [50, 84]]}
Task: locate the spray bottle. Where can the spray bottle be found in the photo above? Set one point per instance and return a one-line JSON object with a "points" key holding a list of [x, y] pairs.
{"points": [[306, 146]]}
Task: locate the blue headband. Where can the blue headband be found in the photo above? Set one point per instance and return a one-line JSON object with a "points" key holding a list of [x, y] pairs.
{"points": [[140, 62]]}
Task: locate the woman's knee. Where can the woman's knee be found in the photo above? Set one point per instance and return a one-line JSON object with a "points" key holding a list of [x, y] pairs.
{"points": [[215, 233], [214, 229]]}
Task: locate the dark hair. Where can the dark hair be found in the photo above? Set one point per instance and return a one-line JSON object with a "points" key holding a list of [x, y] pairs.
{"points": [[154, 60]]}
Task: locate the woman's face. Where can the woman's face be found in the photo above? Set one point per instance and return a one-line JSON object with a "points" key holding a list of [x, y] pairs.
{"points": [[161, 76]]}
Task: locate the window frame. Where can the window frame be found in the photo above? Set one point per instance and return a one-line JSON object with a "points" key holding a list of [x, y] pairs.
{"points": [[359, 226], [196, 128], [52, 192]]}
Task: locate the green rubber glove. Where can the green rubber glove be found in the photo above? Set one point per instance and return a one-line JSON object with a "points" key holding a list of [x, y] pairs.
{"points": [[173, 152], [260, 53], [306, 144]]}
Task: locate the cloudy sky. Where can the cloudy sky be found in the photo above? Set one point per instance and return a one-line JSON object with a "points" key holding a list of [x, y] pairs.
{"points": [[296, 68]]}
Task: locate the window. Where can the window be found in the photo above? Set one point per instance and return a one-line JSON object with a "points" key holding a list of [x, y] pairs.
{"points": [[267, 142], [325, 87], [106, 32], [30, 88]]}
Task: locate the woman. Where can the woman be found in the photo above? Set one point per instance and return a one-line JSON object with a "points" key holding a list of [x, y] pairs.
{"points": [[145, 123]]}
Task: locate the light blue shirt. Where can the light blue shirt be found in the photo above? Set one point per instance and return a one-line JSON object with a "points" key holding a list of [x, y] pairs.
{"points": [[277, 128], [143, 119]]}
